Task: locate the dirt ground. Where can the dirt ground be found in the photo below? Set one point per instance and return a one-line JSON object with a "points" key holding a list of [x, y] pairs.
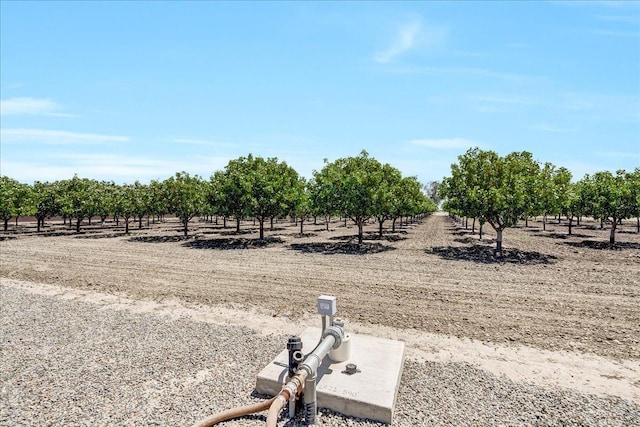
{"points": [[550, 291]]}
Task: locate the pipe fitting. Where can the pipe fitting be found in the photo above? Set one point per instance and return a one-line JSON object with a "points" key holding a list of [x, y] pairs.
{"points": [[336, 332]]}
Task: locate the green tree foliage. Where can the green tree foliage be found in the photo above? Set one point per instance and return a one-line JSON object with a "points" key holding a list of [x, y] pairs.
{"points": [[273, 188], [610, 197], [14, 199], [493, 188], [231, 190], [46, 198], [185, 196], [351, 184], [302, 206], [76, 199], [385, 197]]}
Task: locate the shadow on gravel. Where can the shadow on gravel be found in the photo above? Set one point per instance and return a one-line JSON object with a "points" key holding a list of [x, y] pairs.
{"points": [[626, 232], [371, 236], [486, 255], [302, 235], [229, 244], [101, 236], [341, 248], [561, 236], [604, 245], [159, 239], [466, 240], [236, 233]]}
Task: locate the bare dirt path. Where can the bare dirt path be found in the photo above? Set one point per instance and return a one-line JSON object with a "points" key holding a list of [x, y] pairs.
{"points": [[551, 292]]}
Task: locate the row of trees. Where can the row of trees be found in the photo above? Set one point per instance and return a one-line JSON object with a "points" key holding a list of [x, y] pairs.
{"points": [[501, 190], [360, 188]]}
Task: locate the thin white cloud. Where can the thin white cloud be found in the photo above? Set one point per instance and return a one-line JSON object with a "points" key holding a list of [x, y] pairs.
{"points": [[404, 40], [31, 106], [54, 137], [445, 143]]}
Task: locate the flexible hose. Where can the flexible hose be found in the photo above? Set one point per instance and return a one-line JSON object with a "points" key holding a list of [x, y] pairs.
{"points": [[274, 410], [234, 413]]}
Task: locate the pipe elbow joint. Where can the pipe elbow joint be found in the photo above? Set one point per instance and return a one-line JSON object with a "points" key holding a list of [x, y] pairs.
{"points": [[337, 332]]}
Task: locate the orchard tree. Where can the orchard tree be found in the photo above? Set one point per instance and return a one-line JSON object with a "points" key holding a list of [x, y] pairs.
{"points": [[157, 199], [324, 201], [610, 197], [231, 189], [76, 200], [103, 195], [302, 206], [46, 200], [125, 204], [385, 197], [553, 191], [142, 201], [432, 189], [494, 188], [351, 183], [185, 197], [272, 188], [13, 197]]}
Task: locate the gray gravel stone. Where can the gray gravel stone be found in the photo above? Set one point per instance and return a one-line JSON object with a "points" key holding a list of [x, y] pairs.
{"points": [[68, 363]]}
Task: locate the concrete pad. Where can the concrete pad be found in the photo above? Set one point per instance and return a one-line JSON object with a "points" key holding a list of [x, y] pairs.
{"points": [[370, 393]]}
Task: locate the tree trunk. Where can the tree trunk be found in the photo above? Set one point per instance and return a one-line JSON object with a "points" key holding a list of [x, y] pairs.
{"points": [[612, 236], [380, 229], [393, 225], [481, 225], [78, 225], [186, 226], [601, 223], [526, 222], [6, 224], [237, 225], [359, 232], [499, 241], [570, 224], [126, 225], [473, 226], [638, 225], [327, 220], [140, 223], [271, 224], [16, 222], [544, 222], [261, 221], [301, 223]]}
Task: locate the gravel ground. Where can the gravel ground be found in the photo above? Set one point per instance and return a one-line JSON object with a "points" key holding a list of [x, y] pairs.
{"points": [[68, 362]]}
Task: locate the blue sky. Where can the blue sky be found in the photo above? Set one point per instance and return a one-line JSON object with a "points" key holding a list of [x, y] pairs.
{"points": [[129, 91]]}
